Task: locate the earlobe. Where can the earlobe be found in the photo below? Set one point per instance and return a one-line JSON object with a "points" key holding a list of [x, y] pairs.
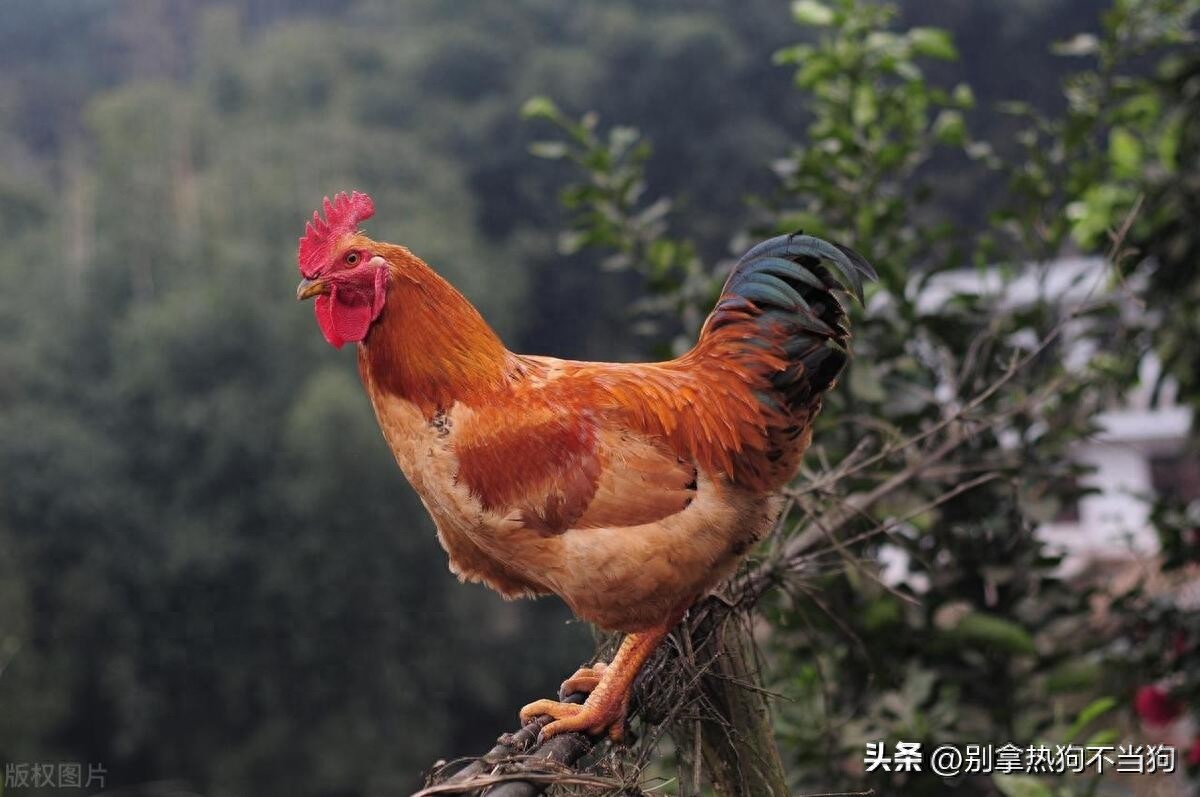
{"points": [[381, 285]]}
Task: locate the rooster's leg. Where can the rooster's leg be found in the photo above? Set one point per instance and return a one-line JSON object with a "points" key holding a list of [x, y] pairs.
{"points": [[605, 708]]}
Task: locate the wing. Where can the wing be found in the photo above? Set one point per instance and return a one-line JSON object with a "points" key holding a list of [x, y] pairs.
{"points": [[552, 467]]}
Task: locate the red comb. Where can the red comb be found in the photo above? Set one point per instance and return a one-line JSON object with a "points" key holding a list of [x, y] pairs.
{"points": [[342, 216]]}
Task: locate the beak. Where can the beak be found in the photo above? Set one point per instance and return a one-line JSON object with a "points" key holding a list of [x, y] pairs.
{"points": [[310, 288]]}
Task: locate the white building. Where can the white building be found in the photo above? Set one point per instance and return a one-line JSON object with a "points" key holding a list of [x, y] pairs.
{"points": [[1140, 450]]}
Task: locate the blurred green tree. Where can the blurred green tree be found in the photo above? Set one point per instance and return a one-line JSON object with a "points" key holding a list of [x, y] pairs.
{"points": [[207, 571]]}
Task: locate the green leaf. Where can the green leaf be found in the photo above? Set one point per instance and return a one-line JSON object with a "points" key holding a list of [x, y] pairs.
{"points": [[1167, 145], [813, 72], [886, 42], [1021, 786], [1124, 153], [1140, 109], [1015, 108], [792, 220], [988, 630], [933, 43], [661, 255], [866, 382], [1102, 737], [1096, 212], [621, 138], [571, 241], [540, 108], [796, 54], [1073, 677], [963, 96], [1091, 712], [810, 12], [950, 129], [1080, 44], [865, 107], [908, 70], [550, 150]]}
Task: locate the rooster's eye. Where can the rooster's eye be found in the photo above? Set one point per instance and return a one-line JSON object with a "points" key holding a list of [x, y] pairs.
{"points": [[352, 259]]}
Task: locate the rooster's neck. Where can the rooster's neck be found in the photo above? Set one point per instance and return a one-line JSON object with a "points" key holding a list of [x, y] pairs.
{"points": [[430, 345]]}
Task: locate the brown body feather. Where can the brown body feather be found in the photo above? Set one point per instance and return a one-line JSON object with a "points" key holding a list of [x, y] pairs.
{"points": [[627, 489]]}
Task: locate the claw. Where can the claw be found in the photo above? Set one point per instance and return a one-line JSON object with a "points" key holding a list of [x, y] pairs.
{"points": [[550, 708], [602, 717], [585, 680], [608, 687]]}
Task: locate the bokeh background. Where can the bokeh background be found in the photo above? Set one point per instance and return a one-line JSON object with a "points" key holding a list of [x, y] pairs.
{"points": [[213, 579]]}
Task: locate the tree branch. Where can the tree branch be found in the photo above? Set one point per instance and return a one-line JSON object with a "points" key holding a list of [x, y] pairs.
{"points": [[518, 766]]}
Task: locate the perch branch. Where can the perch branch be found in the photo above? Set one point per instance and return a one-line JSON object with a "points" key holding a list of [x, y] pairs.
{"points": [[518, 766]]}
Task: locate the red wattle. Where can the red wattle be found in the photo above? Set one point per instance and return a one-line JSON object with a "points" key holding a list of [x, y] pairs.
{"points": [[323, 308], [347, 315]]}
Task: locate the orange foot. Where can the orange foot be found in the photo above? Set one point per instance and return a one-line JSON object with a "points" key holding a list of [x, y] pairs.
{"points": [[608, 687], [585, 680], [592, 718]]}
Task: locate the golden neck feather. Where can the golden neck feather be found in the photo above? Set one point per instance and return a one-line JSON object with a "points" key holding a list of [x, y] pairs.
{"points": [[430, 345]]}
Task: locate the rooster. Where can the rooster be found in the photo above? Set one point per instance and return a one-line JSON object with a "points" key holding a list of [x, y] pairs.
{"points": [[630, 490]]}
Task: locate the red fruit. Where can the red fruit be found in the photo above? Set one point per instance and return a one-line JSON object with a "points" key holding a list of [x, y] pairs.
{"points": [[1155, 706], [1193, 754]]}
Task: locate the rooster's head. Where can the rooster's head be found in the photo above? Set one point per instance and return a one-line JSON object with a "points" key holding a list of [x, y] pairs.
{"points": [[343, 269]]}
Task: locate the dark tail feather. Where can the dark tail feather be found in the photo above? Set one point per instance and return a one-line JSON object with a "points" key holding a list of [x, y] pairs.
{"points": [[797, 247], [783, 288]]}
